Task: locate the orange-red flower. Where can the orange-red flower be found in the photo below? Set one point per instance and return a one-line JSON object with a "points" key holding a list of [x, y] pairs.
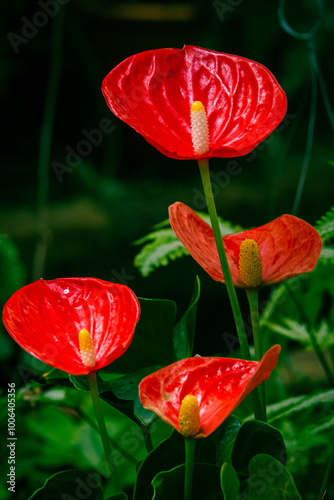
{"points": [[154, 91], [75, 324], [218, 384], [288, 246]]}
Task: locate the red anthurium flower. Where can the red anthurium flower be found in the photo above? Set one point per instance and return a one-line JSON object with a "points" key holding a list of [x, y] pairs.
{"points": [[75, 324], [195, 103], [195, 395], [268, 254]]}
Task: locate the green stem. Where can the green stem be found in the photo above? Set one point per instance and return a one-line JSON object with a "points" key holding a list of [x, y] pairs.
{"points": [[321, 356], [316, 347], [188, 480], [327, 476], [103, 430], [310, 129], [45, 141], [205, 175], [253, 300]]}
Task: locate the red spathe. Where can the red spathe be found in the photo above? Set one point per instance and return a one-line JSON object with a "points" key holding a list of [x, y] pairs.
{"points": [[153, 91], [45, 319], [219, 384], [288, 246]]}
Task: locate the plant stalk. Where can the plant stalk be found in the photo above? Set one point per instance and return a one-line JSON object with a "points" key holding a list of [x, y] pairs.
{"points": [[92, 381], [327, 476], [45, 141], [253, 300], [188, 479], [244, 347]]}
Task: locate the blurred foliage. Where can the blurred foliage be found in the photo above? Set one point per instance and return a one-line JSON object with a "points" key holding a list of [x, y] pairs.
{"points": [[162, 245]]}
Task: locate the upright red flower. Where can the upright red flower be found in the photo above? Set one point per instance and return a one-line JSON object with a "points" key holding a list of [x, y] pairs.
{"points": [[281, 249], [194, 103], [195, 395], [75, 324]]}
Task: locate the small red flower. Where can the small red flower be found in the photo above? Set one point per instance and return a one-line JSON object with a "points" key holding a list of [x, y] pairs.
{"points": [[154, 91], [218, 384], [75, 324], [287, 247]]}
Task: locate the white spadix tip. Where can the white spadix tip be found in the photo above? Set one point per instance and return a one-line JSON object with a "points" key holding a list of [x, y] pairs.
{"points": [[199, 128]]}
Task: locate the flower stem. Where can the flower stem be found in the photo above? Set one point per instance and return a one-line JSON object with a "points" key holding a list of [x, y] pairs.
{"points": [[321, 356], [253, 300], [103, 430], [205, 175], [45, 142], [188, 480], [327, 476], [310, 130], [316, 347]]}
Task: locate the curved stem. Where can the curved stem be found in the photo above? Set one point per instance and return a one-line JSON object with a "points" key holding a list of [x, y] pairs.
{"points": [[103, 430], [316, 347], [45, 143], [323, 88], [310, 130], [188, 479], [321, 356], [205, 175], [288, 29], [327, 476], [253, 300]]}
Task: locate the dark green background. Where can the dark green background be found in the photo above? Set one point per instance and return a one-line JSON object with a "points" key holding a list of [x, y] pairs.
{"points": [[122, 188]]}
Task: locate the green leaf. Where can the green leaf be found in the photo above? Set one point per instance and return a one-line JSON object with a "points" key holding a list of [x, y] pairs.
{"points": [[327, 256], [257, 437], [70, 485], [165, 456], [126, 388], [269, 479], [152, 342], [291, 329], [184, 330], [285, 409], [162, 245], [170, 484], [325, 226], [294, 330], [81, 382], [229, 481], [307, 424], [170, 453], [224, 437], [303, 300], [163, 248]]}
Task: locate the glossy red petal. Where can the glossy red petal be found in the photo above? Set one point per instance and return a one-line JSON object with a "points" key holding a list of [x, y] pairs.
{"points": [[219, 384], [153, 91], [45, 318], [288, 245]]}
